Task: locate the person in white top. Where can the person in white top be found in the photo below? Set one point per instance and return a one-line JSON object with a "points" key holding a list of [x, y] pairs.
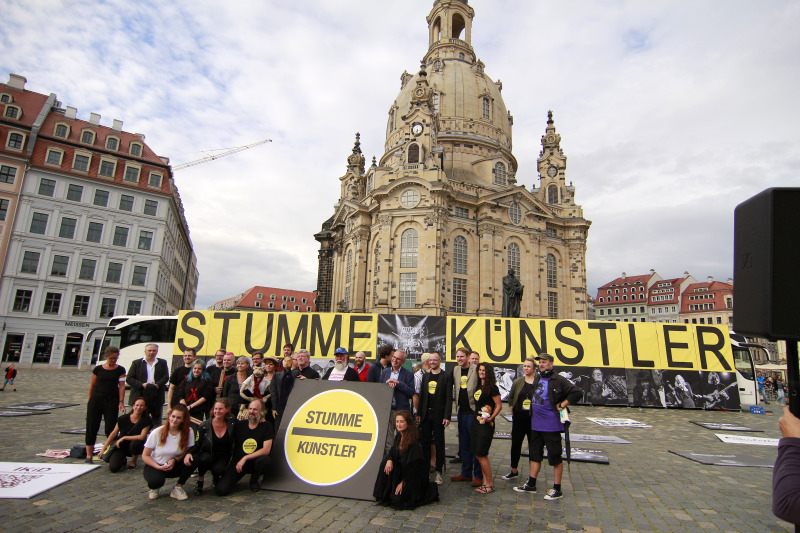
{"points": [[164, 451], [341, 370]]}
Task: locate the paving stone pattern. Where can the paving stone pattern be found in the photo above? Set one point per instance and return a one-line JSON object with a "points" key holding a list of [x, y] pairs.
{"points": [[645, 488]]}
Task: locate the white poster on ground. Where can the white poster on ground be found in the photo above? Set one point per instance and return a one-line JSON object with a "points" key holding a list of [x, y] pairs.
{"points": [[618, 422], [26, 480], [745, 439]]}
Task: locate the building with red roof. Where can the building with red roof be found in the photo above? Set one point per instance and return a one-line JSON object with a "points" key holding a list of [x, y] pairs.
{"points": [[664, 299], [93, 227], [625, 298], [260, 298], [709, 302]]}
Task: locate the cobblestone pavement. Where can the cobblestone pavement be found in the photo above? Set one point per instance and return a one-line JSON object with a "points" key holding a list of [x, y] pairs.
{"points": [[645, 488]]}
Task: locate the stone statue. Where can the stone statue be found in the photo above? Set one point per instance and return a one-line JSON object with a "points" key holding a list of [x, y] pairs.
{"points": [[512, 295]]}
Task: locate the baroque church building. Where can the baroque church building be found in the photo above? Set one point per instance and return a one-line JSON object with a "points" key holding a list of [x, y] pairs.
{"points": [[433, 226]]}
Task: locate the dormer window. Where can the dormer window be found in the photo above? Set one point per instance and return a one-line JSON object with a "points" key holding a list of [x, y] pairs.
{"points": [[136, 149], [112, 143], [132, 173], [81, 162], [87, 137], [5, 98], [15, 141], [154, 180], [13, 111], [62, 130]]}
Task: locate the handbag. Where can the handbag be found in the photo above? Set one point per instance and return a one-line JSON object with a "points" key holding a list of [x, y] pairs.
{"points": [[107, 454]]}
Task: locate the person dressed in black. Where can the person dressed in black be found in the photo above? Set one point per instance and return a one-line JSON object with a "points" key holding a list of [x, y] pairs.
{"points": [[375, 370], [214, 445], [197, 392], [434, 405], [403, 476], [279, 390], [128, 437], [178, 375], [304, 369], [487, 407], [106, 398], [148, 379], [519, 400], [252, 442]]}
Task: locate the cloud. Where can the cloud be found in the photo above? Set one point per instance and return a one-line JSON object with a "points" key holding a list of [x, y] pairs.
{"points": [[671, 113]]}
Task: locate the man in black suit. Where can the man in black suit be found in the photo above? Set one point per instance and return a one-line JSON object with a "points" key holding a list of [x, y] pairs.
{"points": [[147, 378]]}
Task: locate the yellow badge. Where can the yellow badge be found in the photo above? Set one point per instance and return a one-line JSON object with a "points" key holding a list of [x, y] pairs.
{"points": [[526, 404], [249, 446], [331, 437], [477, 394], [463, 382], [431, 387]]}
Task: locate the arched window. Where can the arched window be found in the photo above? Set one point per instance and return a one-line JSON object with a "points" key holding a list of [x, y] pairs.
{"points": [[551, 271], [499, 174], [513, 258], [552, 194], [458, 26], [408, 249], [349, 275], [459, 255], [413, 153], [515, 213], [437, 29], [486, 108]]}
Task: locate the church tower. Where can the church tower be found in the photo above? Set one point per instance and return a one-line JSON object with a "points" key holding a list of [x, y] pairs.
{"points": [[433, 225]]}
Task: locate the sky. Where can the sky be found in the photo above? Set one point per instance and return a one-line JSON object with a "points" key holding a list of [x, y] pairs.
{"points": [[671, 113]]}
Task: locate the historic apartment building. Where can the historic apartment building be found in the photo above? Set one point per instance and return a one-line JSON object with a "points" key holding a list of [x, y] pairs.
{"points": [[94, 225], [432, 226], [260, 298]]}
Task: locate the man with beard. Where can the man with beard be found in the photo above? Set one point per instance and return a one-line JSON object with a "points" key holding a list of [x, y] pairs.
{"points": [[361, 366], [434, 404], [228, 369], [341, 370], [304, 370], [252, 442], [179, 374], [213, 365]]}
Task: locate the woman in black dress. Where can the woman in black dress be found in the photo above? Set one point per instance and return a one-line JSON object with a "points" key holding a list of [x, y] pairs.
{"points": [[403, 477], [196, 391], [487, 406], [214, 445], [128, 436], [106, 398]]}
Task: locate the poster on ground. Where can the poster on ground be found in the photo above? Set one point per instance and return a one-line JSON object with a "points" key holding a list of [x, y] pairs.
{"points": [[26, 480]]}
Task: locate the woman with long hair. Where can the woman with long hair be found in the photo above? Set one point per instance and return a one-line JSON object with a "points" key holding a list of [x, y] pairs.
{"points": [[232, 385], [164, 452], [106, 398], [487, 407], [196, 391], [214, 445], [128, 436], [403, 477], [519, 400]]}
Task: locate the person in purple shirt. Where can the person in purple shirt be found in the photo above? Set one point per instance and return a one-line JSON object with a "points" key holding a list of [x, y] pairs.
{"points": [[551, 393], [786, 475]]}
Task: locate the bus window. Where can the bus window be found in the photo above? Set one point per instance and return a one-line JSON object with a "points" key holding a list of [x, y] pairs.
{"points": [[741, 360], [155, 331]]}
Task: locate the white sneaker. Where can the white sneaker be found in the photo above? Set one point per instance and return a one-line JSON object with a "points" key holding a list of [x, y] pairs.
{"points": [[178, 493], [438, 478], [152, 494]]}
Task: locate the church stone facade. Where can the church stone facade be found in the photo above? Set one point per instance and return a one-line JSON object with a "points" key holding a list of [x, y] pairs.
{"points": [[433, 226]]}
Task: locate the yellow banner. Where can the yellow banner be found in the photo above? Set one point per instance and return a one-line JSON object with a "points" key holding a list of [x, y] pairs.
{"points": [[245, 333]]}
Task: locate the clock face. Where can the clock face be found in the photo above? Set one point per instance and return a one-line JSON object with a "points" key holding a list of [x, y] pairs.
{"points": [[416, 128], [552, 171]]}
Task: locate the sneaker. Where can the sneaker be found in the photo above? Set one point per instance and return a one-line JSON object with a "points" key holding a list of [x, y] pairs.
{"points": [[530, 489], [88, 461], [438, 478], [553, 494], [178, 493], [510, 475], [152, 494]]}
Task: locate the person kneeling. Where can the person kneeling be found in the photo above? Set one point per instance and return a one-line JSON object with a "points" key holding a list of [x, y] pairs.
{"points": [[164, 452], [252, 442], [403, 477], [212, 451], [128, 437]]}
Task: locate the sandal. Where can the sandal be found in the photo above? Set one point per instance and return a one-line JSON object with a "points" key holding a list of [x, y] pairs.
{"points": [[485, 489]]}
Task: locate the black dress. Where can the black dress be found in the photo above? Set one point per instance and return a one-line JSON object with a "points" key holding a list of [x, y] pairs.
{"points": [[410, 468], [481, 435]]}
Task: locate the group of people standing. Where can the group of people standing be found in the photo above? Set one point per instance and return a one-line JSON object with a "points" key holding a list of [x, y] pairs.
{"points": [[208, 396], [767, 385]]}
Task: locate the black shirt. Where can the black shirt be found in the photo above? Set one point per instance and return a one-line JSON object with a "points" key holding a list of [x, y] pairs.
{"points": [[247, 441], [463, 397], [107, 382], [432, 385], [309, 373], [179, 374], [129, 429], [525, 394], [482, 399]]}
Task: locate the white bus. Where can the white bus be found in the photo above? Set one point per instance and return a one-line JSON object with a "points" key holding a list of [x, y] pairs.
{"points": [[131, 334], [745, 369]]}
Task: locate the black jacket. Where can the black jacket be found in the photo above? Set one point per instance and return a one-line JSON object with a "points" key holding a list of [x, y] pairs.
{"points": [[560, 389], [205, 432], [349, 375], [442, 407], [137, 377]]}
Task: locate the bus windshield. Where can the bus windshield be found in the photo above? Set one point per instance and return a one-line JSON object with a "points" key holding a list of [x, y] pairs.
{"points": [[156, 330]]}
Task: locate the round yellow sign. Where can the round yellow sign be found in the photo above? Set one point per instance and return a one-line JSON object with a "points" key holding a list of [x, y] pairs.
{"points": [[249, 446], [331, 437], [431, 387], [463, 382], [526, 404]]}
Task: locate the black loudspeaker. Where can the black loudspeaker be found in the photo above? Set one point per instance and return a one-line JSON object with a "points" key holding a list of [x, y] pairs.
{"points": [[766, 272]]}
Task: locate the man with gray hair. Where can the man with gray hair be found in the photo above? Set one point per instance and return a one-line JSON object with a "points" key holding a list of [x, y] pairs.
{"points": [[147, 379], [304, 370]]}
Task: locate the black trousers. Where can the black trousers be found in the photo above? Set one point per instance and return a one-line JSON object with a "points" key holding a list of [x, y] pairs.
{"points": [[105, 407], [432, 430], [128, 448], [206, 461], [520, 429], [256, 467], [156, 478]]}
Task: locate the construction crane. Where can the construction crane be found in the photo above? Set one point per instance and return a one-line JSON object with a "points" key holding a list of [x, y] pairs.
{"points": [[226, 153]]}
